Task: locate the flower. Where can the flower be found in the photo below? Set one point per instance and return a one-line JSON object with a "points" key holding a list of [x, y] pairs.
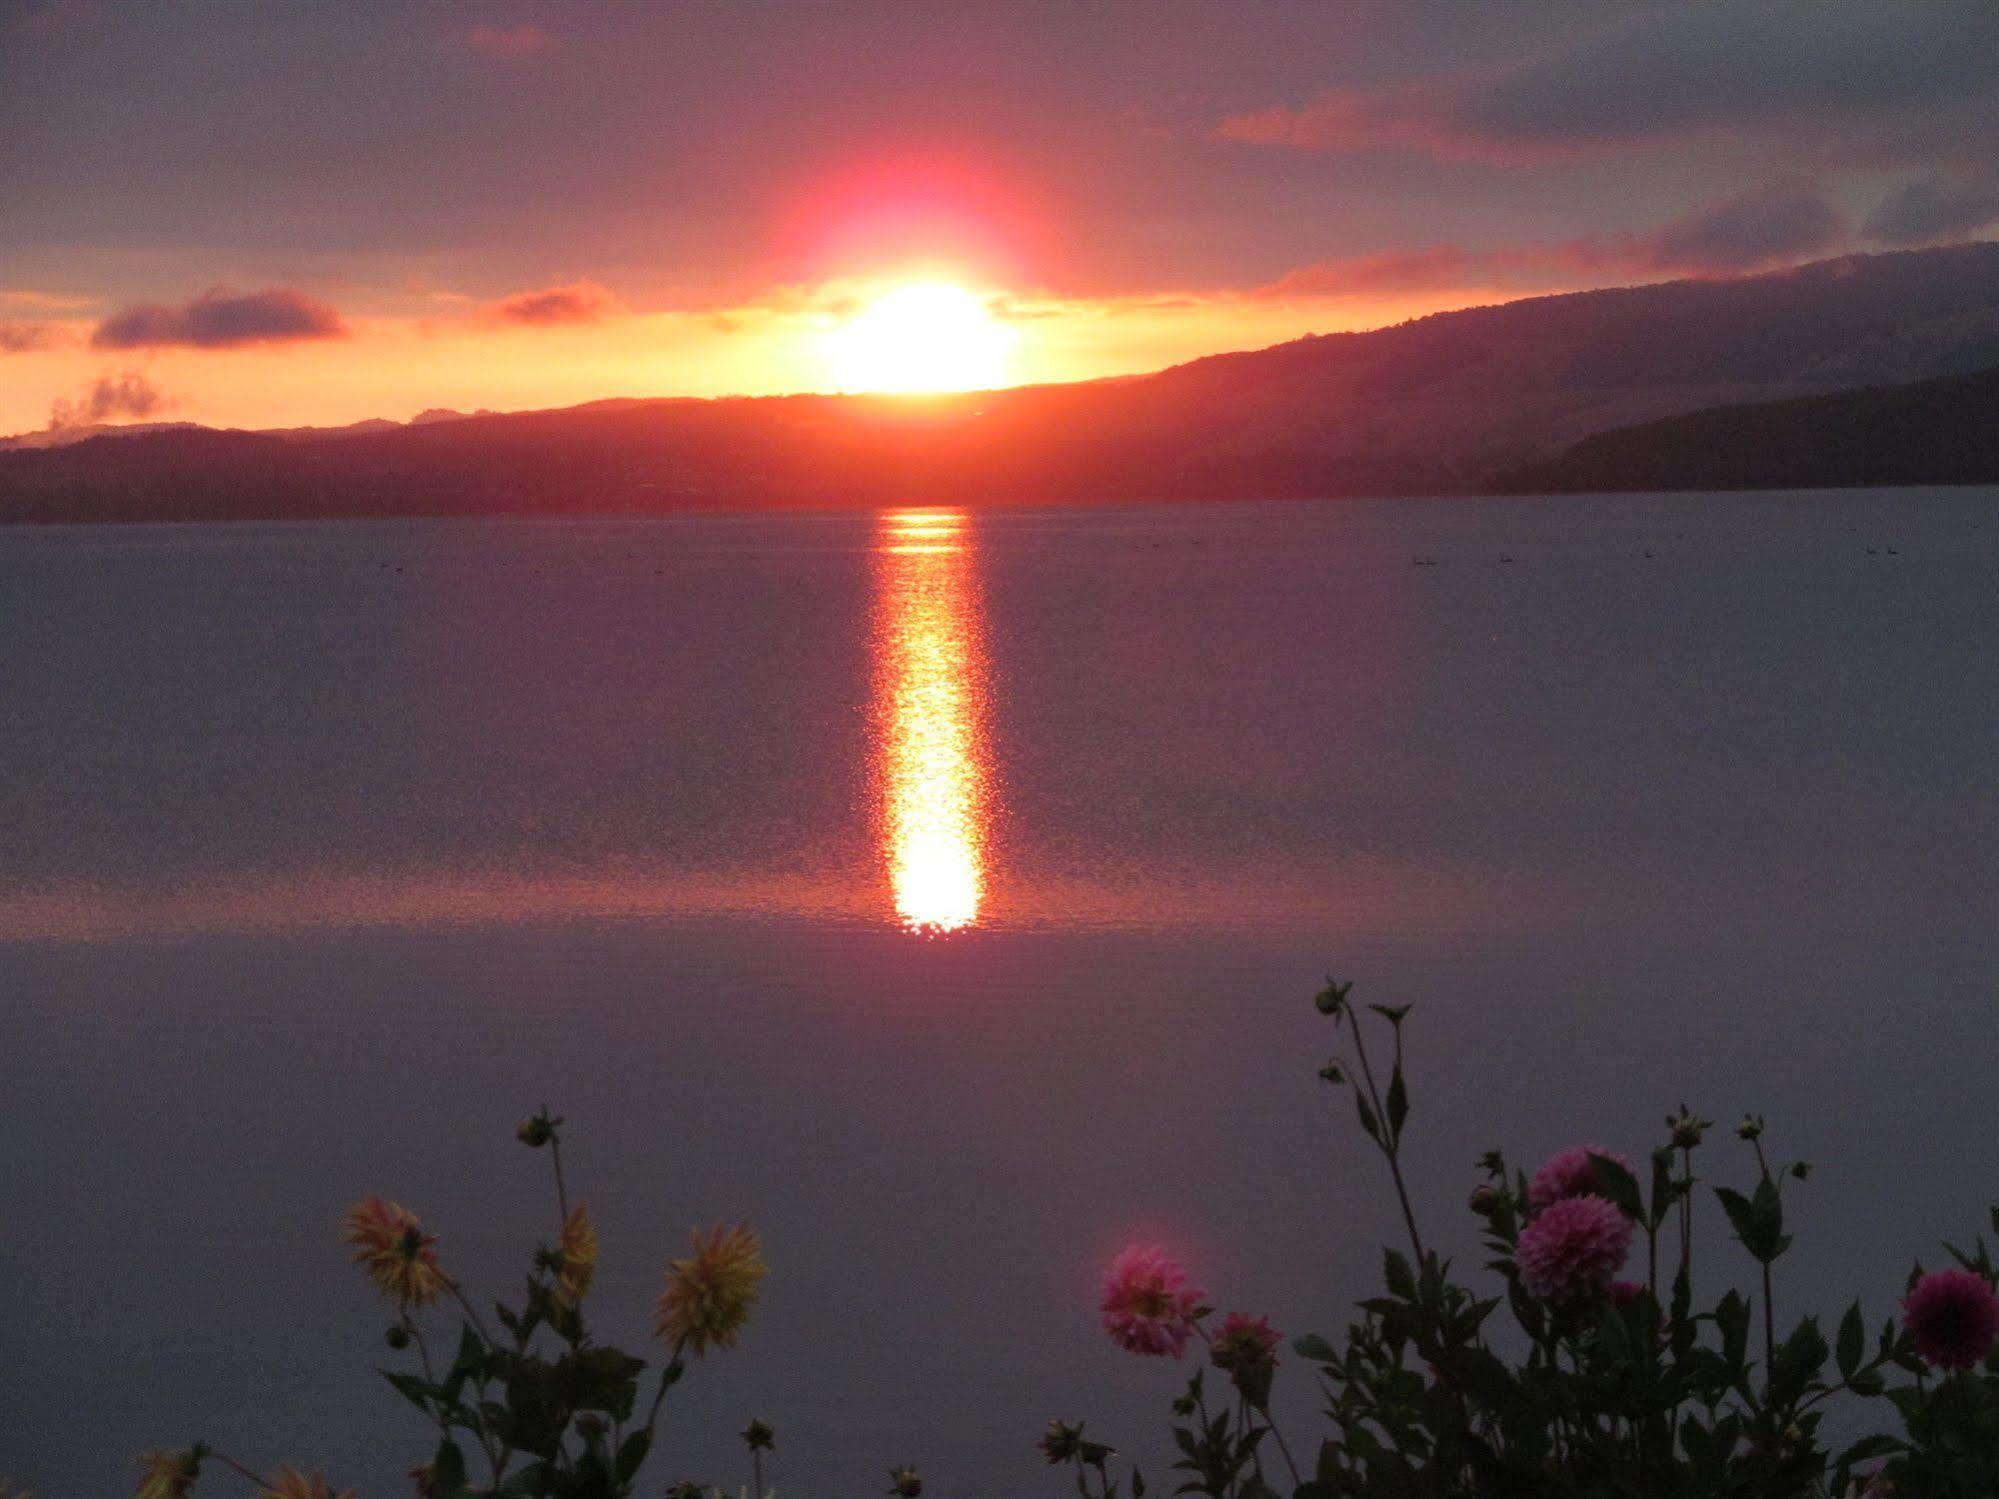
{"points": [[1148, 1303], [292, 1484], [576, 1253], [1244, 1344], [1485, 1199], [1572, 1248], [1568, 1173], [167, 1475], [758, 1436], [1688, 1128], [1953, 1316], [1062, 1441], [708, 1295], [905, 1482], [390, 1244], [1624, 1293]]}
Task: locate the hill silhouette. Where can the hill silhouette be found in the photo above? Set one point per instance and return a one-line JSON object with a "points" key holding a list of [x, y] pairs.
{"points": [[1436, 405], [1942, 431]]}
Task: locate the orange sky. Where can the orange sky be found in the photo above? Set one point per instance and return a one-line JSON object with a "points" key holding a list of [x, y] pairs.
{"points": [[463, 356], [312, 215]]}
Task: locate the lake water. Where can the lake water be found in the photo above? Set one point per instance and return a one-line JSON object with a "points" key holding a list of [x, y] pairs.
{"points": [[946, 895]]}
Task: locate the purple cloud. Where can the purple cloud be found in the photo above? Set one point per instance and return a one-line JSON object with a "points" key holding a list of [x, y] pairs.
{"points": [[1667, 73], [1929, 211], [218, 320], [1767, 226]]}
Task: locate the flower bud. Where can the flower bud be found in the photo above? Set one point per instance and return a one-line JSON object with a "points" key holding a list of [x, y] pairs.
{"points": [[397, 1337], [589, 1424], [1094, 1454], [535, 1132], [1332, 1072], [1688, 1128], [904, 1482], [1751, 1127], [1332, 997], [1484, 1200], [758, 1436]]}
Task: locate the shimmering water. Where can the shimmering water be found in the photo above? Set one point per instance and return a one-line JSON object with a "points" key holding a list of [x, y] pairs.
{"points": [[946, 893]]}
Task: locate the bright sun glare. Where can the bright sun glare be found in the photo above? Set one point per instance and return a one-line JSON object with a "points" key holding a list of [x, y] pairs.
{"points": [[925, 336]]}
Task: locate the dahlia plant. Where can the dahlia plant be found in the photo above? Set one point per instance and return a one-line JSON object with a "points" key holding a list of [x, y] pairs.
{"points": [[1585, 1365], [538, 1409]]}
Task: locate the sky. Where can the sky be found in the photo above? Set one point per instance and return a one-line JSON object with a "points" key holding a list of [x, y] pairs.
{"points": [[273, 214]]}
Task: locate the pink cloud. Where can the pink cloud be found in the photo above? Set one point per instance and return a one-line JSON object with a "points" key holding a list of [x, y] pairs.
{"points": [[510, 43], [28, 338], [577, 302]]}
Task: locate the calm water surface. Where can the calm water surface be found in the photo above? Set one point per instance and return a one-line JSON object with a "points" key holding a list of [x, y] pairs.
{"points": [[946, 894]]}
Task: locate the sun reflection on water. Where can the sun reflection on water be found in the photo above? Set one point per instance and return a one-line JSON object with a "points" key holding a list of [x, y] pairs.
{"points": [[931, 772]]}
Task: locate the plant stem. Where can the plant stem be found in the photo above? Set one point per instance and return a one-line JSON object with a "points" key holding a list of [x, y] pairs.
{"points": [[1769, 1328], [1392, 1150], [225, 1458], [561, 1187]]}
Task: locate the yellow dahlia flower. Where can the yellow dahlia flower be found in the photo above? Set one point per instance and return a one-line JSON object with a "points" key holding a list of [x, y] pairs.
{"points": [[292, 1484], [708, 1295], [167, 1475], [390, 1244], [577, 1250]]}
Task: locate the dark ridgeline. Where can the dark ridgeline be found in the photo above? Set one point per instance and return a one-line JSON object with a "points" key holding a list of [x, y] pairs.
{"points": [[1437, 405], [1942, 431]]}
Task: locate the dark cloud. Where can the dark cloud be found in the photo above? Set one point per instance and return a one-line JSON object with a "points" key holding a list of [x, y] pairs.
{"points": [[1930, 211], [129, 395], [218, 320], [578, 302], [1752, 231], [26, 338], [1669, 72], [508, 43]]}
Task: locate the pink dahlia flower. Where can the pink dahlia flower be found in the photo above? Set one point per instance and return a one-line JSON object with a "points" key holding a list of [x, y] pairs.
{"points": [[1149, 1303], [1244, 1344], [1625, 1293], [1572, 1249], [1568, 1173], [1953, 1316]]}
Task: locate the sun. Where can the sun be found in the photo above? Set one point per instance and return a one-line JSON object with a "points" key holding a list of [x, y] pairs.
{"points": [[920, 337]]}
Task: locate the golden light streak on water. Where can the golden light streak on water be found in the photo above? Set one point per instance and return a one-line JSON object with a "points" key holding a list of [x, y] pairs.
{"points": [[932, 777]]}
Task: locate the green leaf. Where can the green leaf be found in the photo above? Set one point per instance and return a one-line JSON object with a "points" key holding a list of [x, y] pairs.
{"points": [[1397, 1102], [1367, 1120], [1731, 1316], [447, 1468], [1852, 1346], [1615, 1181], [1315, 1348], [632, 1455], [418, 1392], [1400, 1278], [1391, 1013]]}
